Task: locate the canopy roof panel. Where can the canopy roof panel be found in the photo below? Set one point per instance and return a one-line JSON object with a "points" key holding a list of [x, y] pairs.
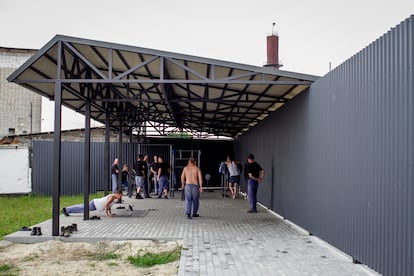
{"points": [[140, 86]]}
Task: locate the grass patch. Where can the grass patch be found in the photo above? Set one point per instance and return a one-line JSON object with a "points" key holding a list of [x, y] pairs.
{"points": [[150, 259], [30, 258], [6, 269], [107, 256], [28, 210]]}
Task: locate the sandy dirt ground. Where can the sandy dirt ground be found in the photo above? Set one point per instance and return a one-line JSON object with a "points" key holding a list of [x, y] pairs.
{"points": [[81, 258]]}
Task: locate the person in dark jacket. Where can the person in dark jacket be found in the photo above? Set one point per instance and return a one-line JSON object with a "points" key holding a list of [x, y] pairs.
{"points": [[256, 174], [163, 177]]}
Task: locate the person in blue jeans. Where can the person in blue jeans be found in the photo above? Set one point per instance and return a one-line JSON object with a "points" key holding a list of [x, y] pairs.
{"points": [[164, 170], [125, 182], [256, 174], [98, 204], [114, 175], [192, 182]]}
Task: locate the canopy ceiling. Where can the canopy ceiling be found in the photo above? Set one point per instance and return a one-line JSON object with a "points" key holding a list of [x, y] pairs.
{"points": [[143, 88]]}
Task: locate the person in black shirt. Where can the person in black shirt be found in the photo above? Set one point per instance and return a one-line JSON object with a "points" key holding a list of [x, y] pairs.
{"points": [[125, 182], [139, 171], [256, 174], [154, 173], [163, 176], [147, 187], [114, 175]]}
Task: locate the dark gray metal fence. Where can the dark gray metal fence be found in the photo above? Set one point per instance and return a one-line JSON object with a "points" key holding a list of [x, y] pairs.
{"points": [[339, 160], [211, 153], [73, 164]]}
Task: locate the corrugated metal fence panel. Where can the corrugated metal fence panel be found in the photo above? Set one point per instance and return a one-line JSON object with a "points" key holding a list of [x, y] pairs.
{"points": [[340, 158], [73, 165], [42, 166], [72, 172]]}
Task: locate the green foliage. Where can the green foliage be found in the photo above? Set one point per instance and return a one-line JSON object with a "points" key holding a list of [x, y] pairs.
{"points": [[27, 210], [6, 269], [30, 258], [182, 135], [150, 259], [107, 256]]}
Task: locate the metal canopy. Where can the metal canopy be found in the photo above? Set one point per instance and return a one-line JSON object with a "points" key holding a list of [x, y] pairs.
{"points": [[143, 88]]}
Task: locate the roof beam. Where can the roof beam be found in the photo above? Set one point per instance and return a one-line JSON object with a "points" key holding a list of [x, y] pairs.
{"points": [[166, 81]]}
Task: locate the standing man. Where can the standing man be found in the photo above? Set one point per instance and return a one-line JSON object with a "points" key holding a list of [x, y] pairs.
{"points": [[114, 175], [139, 170], [192, 182], [234, 176], [125, 182], [256, 174], [224, 173], [164, 170], [147, 185], [154, 171]]}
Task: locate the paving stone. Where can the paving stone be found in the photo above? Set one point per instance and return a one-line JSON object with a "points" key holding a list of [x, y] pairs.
{"points": [[224, 240]]}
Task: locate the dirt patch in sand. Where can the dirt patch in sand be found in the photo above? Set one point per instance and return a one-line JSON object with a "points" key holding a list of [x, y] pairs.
{"points": [[56, 257]]}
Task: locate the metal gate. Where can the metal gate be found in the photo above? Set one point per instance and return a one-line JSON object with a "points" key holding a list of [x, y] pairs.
{"points": [[180, 160]]}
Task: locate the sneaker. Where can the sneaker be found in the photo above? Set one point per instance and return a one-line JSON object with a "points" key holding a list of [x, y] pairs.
{"points": [[64, 211], [39, 231], [34, 231], [196, 215], [62, 231], [188, 216], [66, 232], [252, 211], [25, 228]]}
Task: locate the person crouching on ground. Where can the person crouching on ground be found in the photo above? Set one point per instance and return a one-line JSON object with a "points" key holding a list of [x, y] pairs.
{"points": [[192, 182], [98, 204]]}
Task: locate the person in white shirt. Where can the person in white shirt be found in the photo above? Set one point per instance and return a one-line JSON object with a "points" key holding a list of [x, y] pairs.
{"points": [[234, 176], [98, 204]]}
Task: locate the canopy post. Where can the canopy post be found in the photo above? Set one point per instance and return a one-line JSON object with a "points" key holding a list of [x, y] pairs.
{"points": [[56, 177], [87, 162]]}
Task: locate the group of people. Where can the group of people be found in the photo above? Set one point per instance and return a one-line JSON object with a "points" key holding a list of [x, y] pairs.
{"points": [[231, 171], [191, 183], [143, 173]]}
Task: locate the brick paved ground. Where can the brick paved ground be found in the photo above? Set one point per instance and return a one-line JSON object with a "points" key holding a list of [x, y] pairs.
{"points": [[224, 240]]}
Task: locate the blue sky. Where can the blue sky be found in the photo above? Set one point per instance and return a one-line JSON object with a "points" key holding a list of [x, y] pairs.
{"points": [[312, 34]]}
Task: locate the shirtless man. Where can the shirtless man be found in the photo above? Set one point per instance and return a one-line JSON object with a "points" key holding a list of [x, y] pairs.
{"points": [[192, 182]]}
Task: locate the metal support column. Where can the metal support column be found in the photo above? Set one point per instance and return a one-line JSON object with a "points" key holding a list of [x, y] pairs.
{"points": [[57, 147], [130, 152], [87, 163], [106, 155], [120, 158]]}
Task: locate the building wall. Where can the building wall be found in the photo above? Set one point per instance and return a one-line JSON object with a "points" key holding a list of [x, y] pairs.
{"points": [[339, 158], [20, 109]]}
